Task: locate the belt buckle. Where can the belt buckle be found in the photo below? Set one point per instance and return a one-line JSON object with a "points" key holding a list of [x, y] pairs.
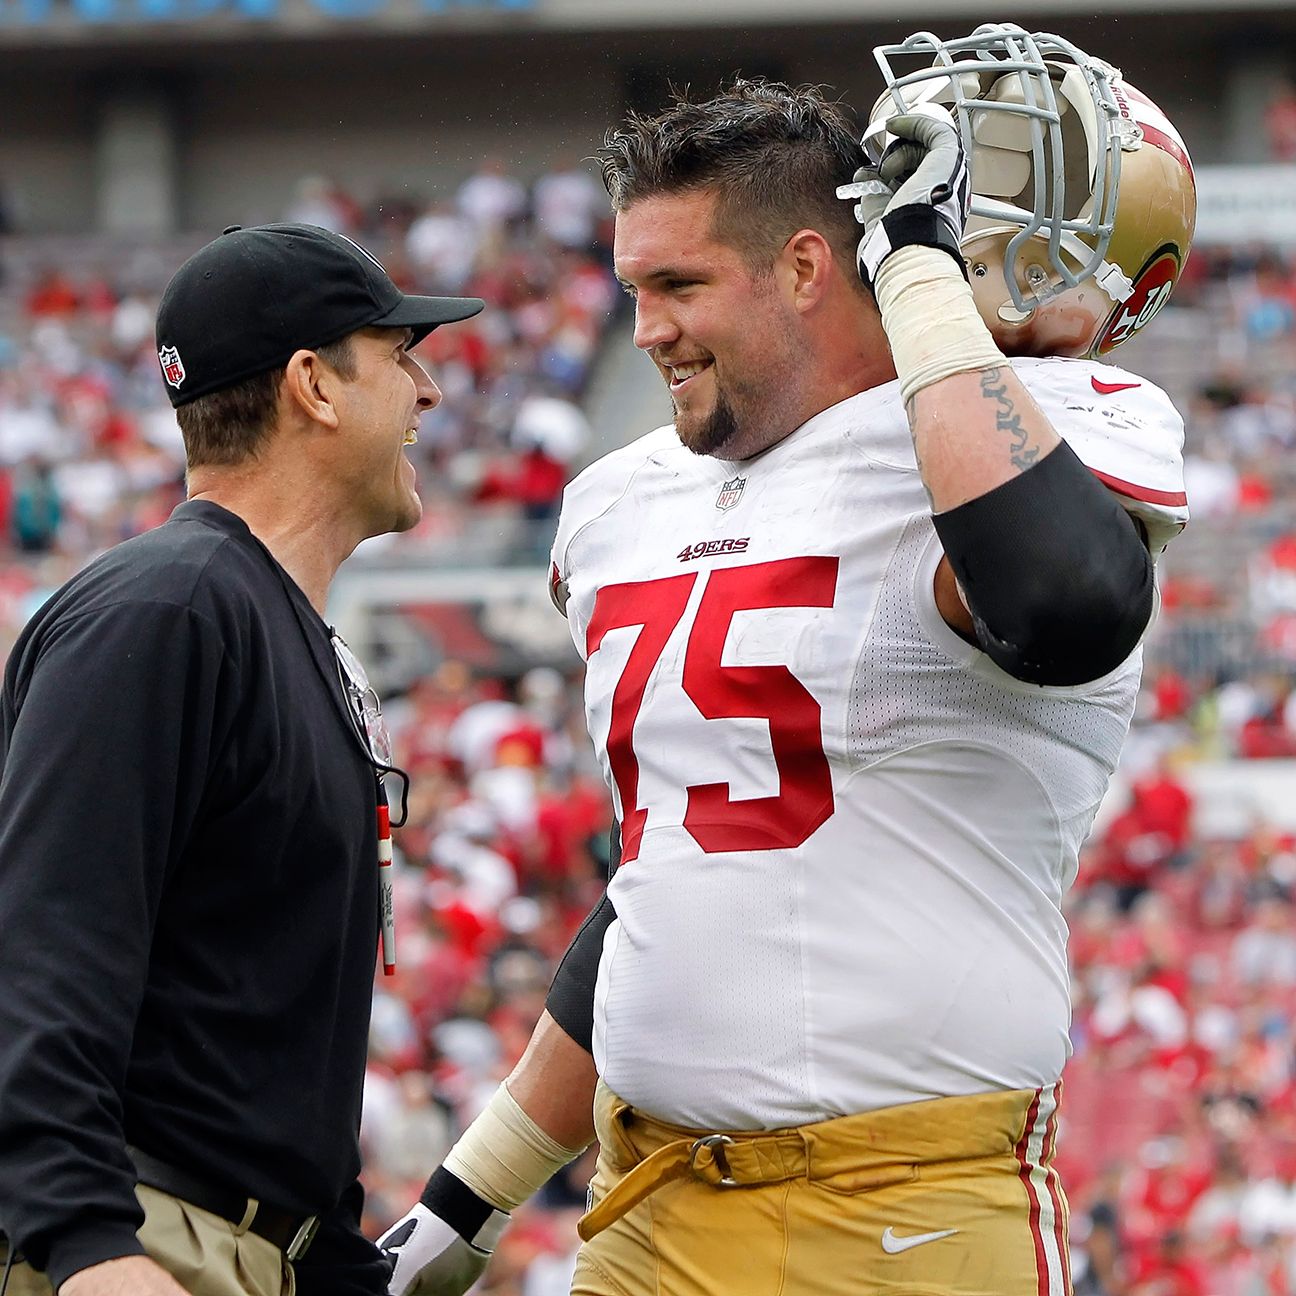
{"points": [[304, 1236], [716, 1144]]}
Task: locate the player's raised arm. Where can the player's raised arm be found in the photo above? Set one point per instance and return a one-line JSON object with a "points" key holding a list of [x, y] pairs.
{"points": [[1055, 577]]}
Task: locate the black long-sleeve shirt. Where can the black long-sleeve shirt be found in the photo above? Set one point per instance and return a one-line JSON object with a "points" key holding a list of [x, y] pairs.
{"points": [[188, 900]]}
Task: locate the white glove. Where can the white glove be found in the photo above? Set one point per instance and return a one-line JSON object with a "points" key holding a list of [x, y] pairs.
{"points": [[913, 201], [430, 1259], [441, 1247], [918, 192]]}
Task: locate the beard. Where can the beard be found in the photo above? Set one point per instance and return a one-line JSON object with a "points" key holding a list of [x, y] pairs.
{"points": [[712, 433]]}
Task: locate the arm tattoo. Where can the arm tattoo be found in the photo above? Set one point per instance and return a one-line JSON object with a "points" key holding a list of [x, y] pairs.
{"points": [[1008, 420], [911, 415]]}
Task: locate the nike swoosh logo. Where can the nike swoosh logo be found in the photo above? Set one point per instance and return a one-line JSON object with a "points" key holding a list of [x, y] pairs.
{"points": [[893, 1245], [1109, 389]]}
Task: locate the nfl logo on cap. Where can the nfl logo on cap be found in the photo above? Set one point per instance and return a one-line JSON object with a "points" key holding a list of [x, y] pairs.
{"points": [[730, 493], [173, 369]]}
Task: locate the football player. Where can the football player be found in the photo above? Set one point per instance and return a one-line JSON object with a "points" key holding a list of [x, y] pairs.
{"points": [[862, 642]]}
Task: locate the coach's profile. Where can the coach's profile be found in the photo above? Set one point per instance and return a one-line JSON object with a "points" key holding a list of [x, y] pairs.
{"points": [[190, 763]]}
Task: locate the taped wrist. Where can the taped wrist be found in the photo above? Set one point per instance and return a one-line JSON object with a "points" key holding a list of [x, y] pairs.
{"points": [[476, 1221], [504, 1156], [915, 225], [930, 318], [1054, 572]]}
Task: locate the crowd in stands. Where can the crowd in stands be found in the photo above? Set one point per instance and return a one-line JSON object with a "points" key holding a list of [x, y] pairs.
{"points": [[1179, 1138], [1179, 1142]]}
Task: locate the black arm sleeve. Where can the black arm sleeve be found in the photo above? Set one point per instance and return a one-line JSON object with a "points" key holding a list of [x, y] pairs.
{"points": [[96, 787], [1056, 576], [571, 996]]}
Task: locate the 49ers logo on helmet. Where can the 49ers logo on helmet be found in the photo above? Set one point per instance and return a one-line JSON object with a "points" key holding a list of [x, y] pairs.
{"points": [[1152, 290]]}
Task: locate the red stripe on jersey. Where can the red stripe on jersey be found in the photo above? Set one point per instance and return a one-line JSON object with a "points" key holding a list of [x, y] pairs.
{"points": [[1171, 499], [1023, 1160], [1055, 1191]]}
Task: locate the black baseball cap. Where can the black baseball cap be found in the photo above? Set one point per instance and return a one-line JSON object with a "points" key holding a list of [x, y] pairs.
{"points": [[249, 299]]}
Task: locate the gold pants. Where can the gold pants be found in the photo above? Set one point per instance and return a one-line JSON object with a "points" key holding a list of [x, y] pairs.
{"points": [[207, 1255], [950, 1197]]}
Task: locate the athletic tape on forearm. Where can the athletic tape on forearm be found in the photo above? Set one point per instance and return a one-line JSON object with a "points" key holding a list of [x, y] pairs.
{"points": [[931, 319], [504, 1156]]}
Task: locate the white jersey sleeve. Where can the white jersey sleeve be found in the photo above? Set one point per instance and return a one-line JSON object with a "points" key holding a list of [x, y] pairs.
{"points": [[1124, 429], [591, 494]]}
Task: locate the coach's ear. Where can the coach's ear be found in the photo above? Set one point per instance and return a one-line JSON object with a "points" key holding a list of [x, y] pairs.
{"points": [[804, 268], [310, 386]]}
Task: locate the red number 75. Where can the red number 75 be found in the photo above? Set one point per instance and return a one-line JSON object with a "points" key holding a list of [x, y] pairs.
{"points": [[713, 819]]}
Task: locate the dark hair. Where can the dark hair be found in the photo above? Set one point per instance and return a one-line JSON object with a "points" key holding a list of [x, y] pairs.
{"points": [[773, 154], [228, 426]]}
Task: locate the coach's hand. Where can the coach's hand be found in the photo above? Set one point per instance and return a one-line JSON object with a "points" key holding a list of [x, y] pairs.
{"points": [[429, 1258], [135, 1275], [916, 194]]}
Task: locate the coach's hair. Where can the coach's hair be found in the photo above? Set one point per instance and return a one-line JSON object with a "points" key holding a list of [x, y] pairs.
{"points": [[229, 426], [772, 153]]}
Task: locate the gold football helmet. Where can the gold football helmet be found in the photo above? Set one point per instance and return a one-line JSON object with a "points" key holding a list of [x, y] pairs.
{"points": [[1083, 200]]}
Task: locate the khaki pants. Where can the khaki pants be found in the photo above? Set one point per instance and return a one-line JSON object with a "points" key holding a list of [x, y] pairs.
{"points": [[207, 1255], [951, 1197]]}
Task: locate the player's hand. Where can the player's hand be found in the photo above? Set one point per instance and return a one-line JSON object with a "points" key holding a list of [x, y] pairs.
{"points": [[916, 193], [135, 1275], [429, 1258]]}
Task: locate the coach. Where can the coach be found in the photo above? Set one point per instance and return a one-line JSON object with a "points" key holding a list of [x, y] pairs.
{"points": [[190, 764]]}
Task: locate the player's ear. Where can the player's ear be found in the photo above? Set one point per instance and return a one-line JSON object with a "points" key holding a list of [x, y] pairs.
{"points": [[807, 264]]}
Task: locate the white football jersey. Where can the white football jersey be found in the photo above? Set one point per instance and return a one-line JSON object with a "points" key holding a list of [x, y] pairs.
{"points": [[846, 832]]}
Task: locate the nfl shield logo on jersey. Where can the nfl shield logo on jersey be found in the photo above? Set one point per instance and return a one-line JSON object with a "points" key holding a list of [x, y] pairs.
{"points": [[173, 369], [730, 493]]}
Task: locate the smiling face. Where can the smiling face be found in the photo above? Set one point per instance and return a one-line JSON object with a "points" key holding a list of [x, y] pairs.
{"points": [[724, 336], [381, 407]]}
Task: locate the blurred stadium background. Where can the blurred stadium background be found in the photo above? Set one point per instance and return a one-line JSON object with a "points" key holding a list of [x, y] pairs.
{"points": [[453, 136]]}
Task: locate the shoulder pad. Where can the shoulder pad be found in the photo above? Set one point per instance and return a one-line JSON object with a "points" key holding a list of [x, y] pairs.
{"points": [[1124, 429], [593, 491]]}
